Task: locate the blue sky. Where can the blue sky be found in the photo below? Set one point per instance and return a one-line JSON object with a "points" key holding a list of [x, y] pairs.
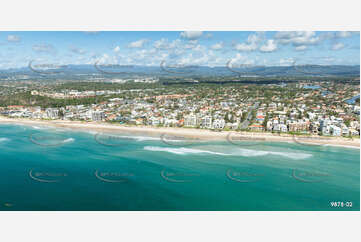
{"points": [[214, 48]]}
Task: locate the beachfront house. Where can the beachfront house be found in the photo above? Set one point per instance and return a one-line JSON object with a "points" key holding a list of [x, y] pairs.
{"points": [[325, 130], [218, 124], [52, 113], [345, 130], [190, 120], [336, 131], [256, 127], [97, 115], [206, 122]]}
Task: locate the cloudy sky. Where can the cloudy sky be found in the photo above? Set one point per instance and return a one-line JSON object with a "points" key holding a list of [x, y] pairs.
{"points": [[214, 48]]}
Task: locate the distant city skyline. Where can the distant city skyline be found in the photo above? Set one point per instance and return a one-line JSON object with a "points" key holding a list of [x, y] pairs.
{"points": [[210, 48]]}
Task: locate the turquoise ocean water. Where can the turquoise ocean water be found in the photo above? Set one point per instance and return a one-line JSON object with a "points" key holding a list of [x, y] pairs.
{"points": [[51, 169]]}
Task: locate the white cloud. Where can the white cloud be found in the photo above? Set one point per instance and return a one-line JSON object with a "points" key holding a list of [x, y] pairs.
{"points": [[343, 34], [217, 46], [191, 34], [254, 38], [192, 44], [137, 44], [177, 47], [164, 44], [13, 38], [337, 46], [270, 46], [239, 60], [107, 59], [116, 49], [77, 50], [301, 47], [145, 53], [161, 44], [246, 47], [251, 44], [209, 35], [202, 57], [337, 35], [195, 59], [329, 59], [297, 38], [45, 48], [286, 61], [198, 48]]}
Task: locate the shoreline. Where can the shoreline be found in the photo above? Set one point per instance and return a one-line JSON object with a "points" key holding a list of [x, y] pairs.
{"points": [[201, 134]]}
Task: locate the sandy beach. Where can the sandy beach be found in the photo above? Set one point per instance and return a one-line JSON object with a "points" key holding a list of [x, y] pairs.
{"points": [[201, 134]]}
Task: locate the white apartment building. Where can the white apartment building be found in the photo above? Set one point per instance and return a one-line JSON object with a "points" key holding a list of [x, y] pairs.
{"points": [[336, 131], [345, 130], [206, 122], [280, 127], [326, 130], [98, 115], [219, 124], [190, 120], [52, 113]]}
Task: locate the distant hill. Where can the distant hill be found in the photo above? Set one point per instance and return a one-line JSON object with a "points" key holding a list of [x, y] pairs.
{"points": [[76, 71]]}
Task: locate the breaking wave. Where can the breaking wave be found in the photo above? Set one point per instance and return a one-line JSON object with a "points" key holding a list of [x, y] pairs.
{"points": [[137, 138], [68, 140], [181, 151], [230, 152]]}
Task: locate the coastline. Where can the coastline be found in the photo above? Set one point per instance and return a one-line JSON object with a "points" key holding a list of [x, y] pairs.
{"points": [[201, 134]]}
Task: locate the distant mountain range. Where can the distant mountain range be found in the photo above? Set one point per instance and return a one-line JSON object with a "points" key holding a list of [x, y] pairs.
{"points": [[120, 71]]}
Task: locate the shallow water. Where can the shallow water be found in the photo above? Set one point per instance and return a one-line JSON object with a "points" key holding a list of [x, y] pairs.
{"points": [[50, 169]]}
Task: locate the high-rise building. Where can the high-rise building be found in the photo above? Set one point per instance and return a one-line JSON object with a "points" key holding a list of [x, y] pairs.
{"points": [[52, 113], [190, 120], [98, 115]]}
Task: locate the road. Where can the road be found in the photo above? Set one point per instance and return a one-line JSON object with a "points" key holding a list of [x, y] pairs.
{"points": [[245, 123]]}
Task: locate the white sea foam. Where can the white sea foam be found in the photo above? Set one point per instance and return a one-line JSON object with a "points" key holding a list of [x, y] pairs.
{"points": [[91, 132], [4, 139], [69, 140], [137, 138], [252, 153], [39, 127], [343, 146], [230, 152], [182, 150], [144, 138]]}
